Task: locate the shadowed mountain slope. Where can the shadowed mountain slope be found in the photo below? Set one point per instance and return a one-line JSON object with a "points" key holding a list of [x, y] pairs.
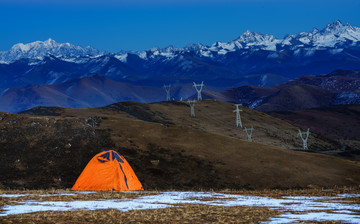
{"points": [[85, 92], [338, 87], [297, 97]]}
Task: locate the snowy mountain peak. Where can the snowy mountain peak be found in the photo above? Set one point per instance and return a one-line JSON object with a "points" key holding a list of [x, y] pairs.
{"points": [[314, 30], [50, 42], [253, 39], [334, 26], [40, 49], [249, 37], [334, 36], [338, 28], [247, 33]]}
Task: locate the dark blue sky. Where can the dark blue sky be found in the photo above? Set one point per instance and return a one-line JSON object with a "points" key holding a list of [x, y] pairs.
{"points": [[113, 25]]}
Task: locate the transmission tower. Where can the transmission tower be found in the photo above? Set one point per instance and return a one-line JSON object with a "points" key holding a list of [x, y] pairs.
{"points": [[304, 137], [238, 118], [249, 132], [167, 90], [199, 90], [192, 106]]}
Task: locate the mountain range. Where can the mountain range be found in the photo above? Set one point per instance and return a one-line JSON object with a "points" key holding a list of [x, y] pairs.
{"points": [[335, 88], [47, 73], [337, 46]]}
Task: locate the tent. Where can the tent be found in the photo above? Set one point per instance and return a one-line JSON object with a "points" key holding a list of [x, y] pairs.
{"points": [[107, 171]]}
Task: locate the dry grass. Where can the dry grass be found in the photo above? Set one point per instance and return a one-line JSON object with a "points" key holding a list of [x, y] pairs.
{"points": [[278, 193], [180, 214], [57, 195]]}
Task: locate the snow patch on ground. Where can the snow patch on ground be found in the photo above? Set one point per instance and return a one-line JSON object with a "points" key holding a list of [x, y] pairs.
{"points": [[307, 208]]}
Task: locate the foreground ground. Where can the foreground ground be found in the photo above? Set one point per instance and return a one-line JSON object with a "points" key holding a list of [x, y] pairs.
{"points": [[266, 206]]}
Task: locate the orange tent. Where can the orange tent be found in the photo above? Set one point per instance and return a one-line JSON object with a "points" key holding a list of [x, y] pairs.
{"points": [[108, 171]]}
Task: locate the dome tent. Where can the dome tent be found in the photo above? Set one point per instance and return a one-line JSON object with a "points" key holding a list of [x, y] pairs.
{"points": [[108, 171]]}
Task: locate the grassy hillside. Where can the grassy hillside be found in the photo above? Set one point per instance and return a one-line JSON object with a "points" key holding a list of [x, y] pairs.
{"points": [[217, 117], [166, 148], [336, 122]]}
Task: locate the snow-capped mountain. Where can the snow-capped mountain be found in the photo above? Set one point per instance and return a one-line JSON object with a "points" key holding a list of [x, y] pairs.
{"points": [[40, 49], [251, 56], [334, 35]]}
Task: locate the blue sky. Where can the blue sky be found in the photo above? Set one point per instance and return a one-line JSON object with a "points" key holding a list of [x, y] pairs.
{"points": [[115, 25]]}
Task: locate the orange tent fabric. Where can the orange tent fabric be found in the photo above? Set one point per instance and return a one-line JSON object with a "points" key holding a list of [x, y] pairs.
{"points": [[108, 171]]}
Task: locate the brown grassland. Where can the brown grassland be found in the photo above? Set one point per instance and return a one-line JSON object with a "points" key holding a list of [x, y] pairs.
{"points": [[50, 147], [181, 213]]}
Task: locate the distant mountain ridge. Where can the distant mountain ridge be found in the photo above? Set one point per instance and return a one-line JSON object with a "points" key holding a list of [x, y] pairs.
{"points": [[336, 88], [226, 64], [334, 35], [40, 49], [259, 71]]}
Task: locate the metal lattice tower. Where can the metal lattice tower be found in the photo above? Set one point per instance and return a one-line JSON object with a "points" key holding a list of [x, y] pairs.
{"points": [[304, 137], [192, 107], [249, 134], [238, 118], [167, 90], [199, 90]]}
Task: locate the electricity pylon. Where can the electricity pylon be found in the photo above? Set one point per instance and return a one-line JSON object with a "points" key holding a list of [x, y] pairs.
{"points": [[304, 137], [238, 118], [249, 134], [192, 107], [167, 90], [199, 90]]}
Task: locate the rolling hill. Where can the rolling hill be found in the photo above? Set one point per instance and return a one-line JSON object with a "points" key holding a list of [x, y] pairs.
{"points": [[49, 146]]}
